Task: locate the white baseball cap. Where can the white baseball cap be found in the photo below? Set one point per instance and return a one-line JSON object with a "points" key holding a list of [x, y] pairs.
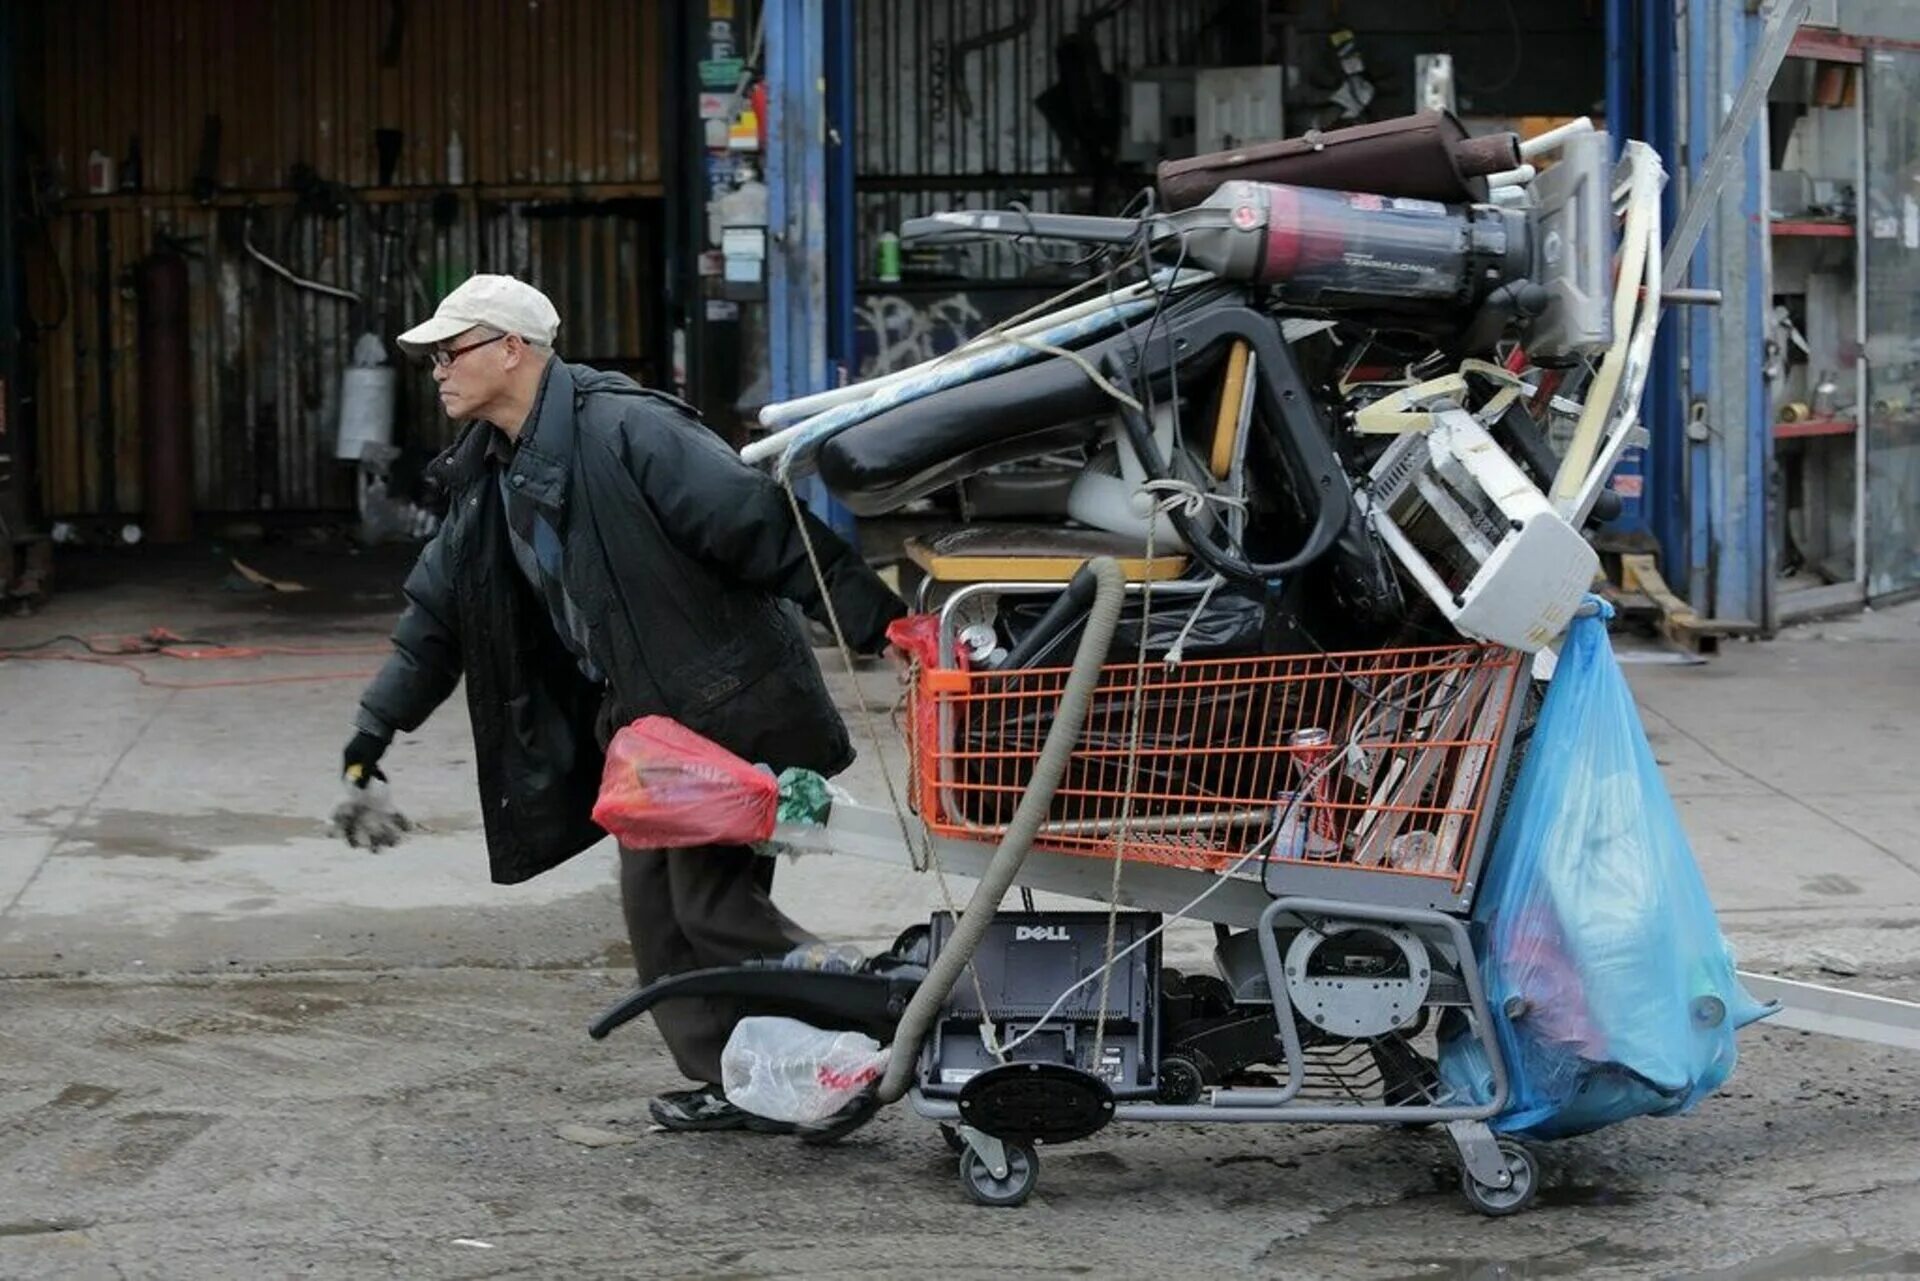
{"points": [[498, 302]]}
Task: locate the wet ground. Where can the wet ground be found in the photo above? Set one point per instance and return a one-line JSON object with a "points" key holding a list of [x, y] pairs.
{"points": [[231, 1048]]}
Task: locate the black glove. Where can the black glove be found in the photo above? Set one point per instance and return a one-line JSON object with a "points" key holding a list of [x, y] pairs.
{"points": [[360, 762], [366, 816]]}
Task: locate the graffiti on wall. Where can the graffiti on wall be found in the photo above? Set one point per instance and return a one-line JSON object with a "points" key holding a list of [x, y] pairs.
{"points": [[895, 332]]}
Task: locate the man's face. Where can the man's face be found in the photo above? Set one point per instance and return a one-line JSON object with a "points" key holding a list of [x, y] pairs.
{"points": [[472, 371]]}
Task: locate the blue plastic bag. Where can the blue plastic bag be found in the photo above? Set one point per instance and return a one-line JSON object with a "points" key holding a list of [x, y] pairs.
{"points": [[1612, 989]]}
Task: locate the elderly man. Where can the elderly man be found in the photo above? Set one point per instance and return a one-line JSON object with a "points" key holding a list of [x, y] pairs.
{"points": [[606, 557]]}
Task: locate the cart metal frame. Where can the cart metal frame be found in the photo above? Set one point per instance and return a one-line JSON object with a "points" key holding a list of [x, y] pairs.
{"points": [[1498, 1175]]}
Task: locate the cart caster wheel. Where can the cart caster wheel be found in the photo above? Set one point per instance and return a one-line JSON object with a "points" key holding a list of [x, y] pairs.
{"points": [[1181, 1080], [1023, 1171], [1495, 1202], [952, 1136]]}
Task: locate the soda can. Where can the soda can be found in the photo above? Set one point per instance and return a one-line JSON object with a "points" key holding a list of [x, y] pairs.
{"points": [[1310, 748], [979, 642]]}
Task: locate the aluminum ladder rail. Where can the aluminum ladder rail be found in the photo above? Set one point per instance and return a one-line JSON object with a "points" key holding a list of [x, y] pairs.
{"points": [[1830, 1011]]}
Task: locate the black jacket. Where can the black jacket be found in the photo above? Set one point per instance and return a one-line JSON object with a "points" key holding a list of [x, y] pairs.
{"points": [[675, 552]]}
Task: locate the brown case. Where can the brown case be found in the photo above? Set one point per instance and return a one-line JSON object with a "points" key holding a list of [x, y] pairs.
{"points": [[1424, 157]]}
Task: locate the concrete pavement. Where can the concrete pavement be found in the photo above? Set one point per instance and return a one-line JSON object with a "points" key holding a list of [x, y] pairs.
{"points": [[236, 1048]]}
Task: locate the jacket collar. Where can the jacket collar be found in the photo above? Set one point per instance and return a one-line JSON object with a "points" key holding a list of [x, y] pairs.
{"points": [[540, 465], [544, 460]]}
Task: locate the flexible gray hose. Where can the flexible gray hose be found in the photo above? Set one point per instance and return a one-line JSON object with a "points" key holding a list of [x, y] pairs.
{"points": [[1062, 737]]}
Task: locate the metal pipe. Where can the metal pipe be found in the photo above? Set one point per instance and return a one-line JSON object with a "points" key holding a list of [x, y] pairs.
{"points": [[1513, 177], [1159, 822], [331, 291], [791, 414], [931, 996], [1691, 297], [1553, 139]]}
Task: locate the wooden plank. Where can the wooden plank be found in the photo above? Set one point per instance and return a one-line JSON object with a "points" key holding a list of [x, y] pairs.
{"points": [[85, 107], [594, 128], [240, 48], [1825, 46], [132, 241], [195, 76], [204, 339], [450, 92], [116, 86], [156, 97]]}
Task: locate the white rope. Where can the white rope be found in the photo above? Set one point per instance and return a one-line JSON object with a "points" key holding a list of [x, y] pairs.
{"points": [[928, 856], [1186, 497], [1170, 495], [1177, 651], [1191, 501], [1135, 729], [1086, 367]]}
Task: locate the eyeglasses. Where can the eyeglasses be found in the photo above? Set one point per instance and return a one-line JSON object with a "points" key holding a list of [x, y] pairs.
{"points": [[442, 357]]}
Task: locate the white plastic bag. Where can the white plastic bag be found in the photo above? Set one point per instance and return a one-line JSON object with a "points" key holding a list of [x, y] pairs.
{"points": [[786, 1070]]}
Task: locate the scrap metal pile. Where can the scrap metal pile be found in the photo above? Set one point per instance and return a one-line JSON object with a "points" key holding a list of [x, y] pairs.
{"points": [[1353, 390], [1339, 410]]}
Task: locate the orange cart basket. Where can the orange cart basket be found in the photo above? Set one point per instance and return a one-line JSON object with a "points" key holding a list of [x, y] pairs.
{"points": [[1380, 762]]}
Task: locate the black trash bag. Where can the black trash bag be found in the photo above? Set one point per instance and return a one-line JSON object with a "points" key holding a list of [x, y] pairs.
{"points": [[1232, 625]]}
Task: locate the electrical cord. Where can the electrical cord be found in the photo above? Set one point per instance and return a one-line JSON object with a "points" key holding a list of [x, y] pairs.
{"points": [[1140, 339], [158, 642], [1257, 850]]}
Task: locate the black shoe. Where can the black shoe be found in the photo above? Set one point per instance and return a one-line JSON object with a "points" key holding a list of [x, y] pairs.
{"points": [[861, 1110], [707, 1109]]}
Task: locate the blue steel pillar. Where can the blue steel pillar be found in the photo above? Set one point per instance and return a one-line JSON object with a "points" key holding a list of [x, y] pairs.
{"points": [[1641, 93], [841, 244], [1729, 442], [796, 50], [1664, 409]]}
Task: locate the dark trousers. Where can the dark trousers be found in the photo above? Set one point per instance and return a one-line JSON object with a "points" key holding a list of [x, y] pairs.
{"points": [[696, 909]]}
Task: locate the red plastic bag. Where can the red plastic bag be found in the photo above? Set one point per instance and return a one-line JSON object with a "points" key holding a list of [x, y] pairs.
{"points": [[666, 787], [918, 637]]}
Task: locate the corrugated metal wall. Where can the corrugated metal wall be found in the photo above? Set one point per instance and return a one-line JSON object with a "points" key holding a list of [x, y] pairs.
{"points": [[267, 357], [555, 105], [539, 91], [946, 99]]}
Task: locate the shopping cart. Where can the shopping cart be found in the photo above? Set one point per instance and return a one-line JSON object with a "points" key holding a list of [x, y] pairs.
{"points": [[1330, 812]]}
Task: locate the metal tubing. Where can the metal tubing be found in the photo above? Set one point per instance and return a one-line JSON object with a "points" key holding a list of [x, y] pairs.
{"points": [[1519, 177], [1306, 908], [791, 415], [949, 655], [1553, 139], [1062, 736]]}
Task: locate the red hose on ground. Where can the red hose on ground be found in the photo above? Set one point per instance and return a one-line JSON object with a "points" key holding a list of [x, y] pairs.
{"points": [[158, 642]]}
